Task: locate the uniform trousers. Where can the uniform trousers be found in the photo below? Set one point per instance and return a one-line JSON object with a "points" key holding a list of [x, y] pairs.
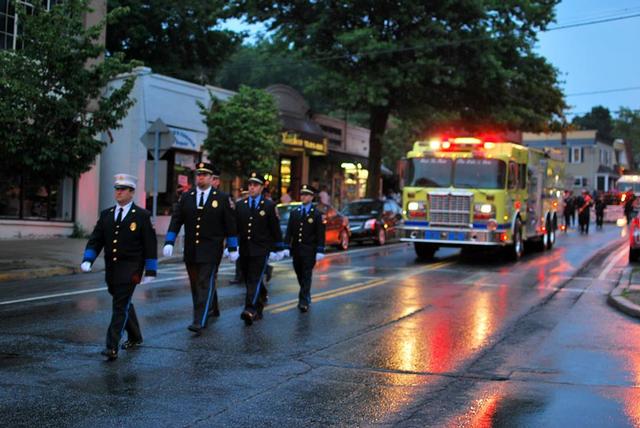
{"points": [[202, 277], [253, 270], [303, 266], [123, 316]]}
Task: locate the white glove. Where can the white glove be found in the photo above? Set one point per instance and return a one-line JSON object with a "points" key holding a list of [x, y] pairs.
{"points": [[281, 254], [319, 256], [225, 253], [147, 279], [233, 255], [286, 253], [273, 257], [167, 250], [85, 267]]}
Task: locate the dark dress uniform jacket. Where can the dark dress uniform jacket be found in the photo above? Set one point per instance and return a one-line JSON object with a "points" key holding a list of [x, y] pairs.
{"points": [[129, 249], [204, 229], [305, 232], [259, 229]]}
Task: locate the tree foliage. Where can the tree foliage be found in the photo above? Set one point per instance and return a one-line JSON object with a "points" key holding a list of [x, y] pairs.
{"points": [[244, 132], [473, 59], [52, 94], [599, 118], [177, 38], [627, 126]]}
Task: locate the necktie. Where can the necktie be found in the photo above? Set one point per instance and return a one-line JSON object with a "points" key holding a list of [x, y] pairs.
{"points": [[119, 218], [201, 204], [253, 204]]}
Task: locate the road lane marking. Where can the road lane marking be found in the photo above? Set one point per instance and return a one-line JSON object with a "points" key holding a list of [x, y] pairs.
{"points": [[354, 288], [75, 293]]}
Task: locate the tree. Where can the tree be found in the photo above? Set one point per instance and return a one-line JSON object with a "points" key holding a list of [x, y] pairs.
{"points": [[176, 38], [470, 58], [599, 118], [244, 132], [53, 101], [627, 127]]}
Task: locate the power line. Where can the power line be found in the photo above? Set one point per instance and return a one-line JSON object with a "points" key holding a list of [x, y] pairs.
{"points": [[597, 21], [604, 91]]}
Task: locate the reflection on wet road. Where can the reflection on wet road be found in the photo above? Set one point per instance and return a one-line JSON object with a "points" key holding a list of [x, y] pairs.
{"points": [[461, 341]]}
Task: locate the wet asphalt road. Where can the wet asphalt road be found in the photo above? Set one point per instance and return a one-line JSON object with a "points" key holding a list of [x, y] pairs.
{"points": [[464, 340]]}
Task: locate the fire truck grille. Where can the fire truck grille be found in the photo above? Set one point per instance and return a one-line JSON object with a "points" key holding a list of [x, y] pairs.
{"points": [[450, 210]]}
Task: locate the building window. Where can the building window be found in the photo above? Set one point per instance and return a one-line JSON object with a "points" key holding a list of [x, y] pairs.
{"points": [[30, 198], [580, 182], [576, 154], [9, 28]]}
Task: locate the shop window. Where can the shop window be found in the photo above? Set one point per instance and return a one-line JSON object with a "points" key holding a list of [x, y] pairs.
{"points": [[30, 198], [285, 175]]}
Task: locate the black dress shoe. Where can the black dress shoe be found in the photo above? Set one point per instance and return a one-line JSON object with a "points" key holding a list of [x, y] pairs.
{"points": [[303, 308], [269, 273], [131, 344], [216, 312], [111, 354], [247, 317], [196, 328]]}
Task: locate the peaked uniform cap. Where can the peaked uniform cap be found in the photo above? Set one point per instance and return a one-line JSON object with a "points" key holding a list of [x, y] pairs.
{"points": [[307, 189], [256, 177], [125, 180], [204, 167]]}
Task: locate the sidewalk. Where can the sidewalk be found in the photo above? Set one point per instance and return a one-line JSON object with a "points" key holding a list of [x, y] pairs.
{"points": [[38, 258], [626, 296]]}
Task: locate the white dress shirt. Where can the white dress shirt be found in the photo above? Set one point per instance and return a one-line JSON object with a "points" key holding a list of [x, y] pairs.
{"points": [[125, 210]]}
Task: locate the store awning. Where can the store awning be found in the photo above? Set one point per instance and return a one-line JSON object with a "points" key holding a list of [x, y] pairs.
{"points": [[304, 128]]}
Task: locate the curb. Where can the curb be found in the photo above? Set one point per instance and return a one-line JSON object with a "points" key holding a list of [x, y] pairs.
{"points": [[25, 274], [616, 297]]}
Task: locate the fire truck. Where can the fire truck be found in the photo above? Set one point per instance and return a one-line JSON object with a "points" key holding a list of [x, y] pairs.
{"points": [[480, 191]]}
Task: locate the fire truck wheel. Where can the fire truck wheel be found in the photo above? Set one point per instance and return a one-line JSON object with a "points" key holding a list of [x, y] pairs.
{"points": [[425, 251], [551, 233], [515, 251]]}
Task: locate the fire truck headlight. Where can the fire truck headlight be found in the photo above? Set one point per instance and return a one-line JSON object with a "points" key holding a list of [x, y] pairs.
{"points": [[484, 208], [492, 225], [413, 206]]}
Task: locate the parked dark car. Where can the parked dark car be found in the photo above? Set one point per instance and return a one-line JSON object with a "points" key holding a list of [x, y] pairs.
{"points": [[373, 219], [337, 232]]}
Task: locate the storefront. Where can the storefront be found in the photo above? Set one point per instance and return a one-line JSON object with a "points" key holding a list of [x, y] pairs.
{"points": [[302, 142]]}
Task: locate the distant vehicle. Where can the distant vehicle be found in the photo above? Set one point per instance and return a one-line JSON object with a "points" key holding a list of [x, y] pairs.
{"points": [[372, 219], [337, 232], [629, 181]]}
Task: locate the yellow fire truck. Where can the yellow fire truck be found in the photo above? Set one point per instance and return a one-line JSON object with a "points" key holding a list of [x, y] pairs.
{"points": [[475, 191]]}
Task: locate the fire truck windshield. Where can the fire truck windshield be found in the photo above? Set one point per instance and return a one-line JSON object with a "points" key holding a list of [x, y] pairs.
{"points": [[479, 173], [463, 173]]}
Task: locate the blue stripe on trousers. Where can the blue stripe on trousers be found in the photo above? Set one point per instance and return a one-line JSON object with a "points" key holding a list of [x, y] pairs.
{"points": [[206, 308], [255, 296]]}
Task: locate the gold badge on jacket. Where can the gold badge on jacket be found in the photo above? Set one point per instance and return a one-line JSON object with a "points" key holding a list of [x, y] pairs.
{"points": [[133, 226], [214, 204], [310, 220], [262, 213]]}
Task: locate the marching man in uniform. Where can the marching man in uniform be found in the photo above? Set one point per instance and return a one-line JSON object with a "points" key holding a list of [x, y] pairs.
{"points": [[305, 238], [130, 248], [208, 219], [260, 236]]}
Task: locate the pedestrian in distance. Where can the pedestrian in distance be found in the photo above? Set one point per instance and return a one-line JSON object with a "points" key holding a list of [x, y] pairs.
{"points": [[209, 219], [130, 246], [305, 242], [584, 203], [599, 208], [569, 209], [629, 199], [260, 241]]}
